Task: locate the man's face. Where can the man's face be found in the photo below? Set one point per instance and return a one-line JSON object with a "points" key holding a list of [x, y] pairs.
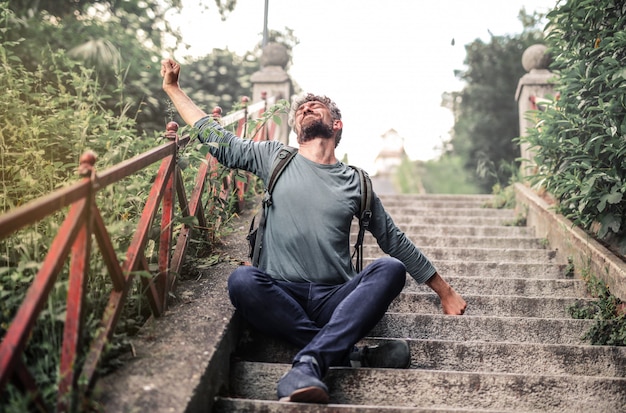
{"points": [[312, 120]]}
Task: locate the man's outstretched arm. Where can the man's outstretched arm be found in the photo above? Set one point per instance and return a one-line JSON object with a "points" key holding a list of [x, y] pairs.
{"points": [[170, 71], [451, 301]]}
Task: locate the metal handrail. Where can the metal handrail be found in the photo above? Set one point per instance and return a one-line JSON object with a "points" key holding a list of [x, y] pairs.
{"points": [[73, 239]]}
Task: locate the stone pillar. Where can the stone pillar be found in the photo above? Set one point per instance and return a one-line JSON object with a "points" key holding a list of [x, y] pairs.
{"points": [[274, 80], [532, 88]]}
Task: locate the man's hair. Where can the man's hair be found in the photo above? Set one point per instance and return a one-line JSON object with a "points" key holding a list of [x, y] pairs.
{"points": [[335, 113]]}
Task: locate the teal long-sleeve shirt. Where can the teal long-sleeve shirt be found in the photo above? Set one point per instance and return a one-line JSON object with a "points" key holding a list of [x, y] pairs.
{"points": [[307, 236]]}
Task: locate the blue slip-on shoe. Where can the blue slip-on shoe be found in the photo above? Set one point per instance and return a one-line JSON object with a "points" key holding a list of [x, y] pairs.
{"points": [[301, 385], [393, 354]]}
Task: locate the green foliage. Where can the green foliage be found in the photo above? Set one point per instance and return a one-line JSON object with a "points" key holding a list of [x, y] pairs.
{"points": [[220, 79], [502, 197], [580, 143], [608, 312], [445, 175], [485, 110], [51, 115], [119, 40], [53, 109]]}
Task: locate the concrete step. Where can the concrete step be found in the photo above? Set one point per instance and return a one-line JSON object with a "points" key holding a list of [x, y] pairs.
{"points": [[538, 256], [518, 358], [452, 220], [480, 328], [415, 229], [488, 269], [509, 286], [412, 210], [470, 356], [435, 202], [488, 305], [430, 236], [441, 389], [469, 241], [229, 405]]}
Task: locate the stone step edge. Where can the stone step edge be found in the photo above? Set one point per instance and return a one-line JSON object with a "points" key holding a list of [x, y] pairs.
{"points": [[284, 367], [483, 328], [447, 389], [453, 355], [429, 294], [231, 404]]}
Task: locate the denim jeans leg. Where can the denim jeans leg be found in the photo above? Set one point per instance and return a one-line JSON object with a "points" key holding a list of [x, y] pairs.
{"points": [[352, 310], [268, 307]]}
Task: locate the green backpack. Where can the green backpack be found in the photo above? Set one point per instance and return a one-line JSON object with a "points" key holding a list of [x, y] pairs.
{"points": [[286, 154]]}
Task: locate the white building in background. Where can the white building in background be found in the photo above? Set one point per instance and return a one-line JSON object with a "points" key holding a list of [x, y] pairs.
{"points": [[391, 154]]}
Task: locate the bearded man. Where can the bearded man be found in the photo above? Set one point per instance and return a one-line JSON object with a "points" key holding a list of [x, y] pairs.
{"points": [[305, 288]]}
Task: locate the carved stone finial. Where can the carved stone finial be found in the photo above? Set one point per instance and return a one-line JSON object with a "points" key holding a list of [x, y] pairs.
{"points": [[274, 54], [536, 57]]}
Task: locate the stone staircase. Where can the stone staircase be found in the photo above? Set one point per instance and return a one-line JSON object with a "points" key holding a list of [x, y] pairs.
{"points": [[515, 350]]}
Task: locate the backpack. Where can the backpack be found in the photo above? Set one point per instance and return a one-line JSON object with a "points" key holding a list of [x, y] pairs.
{"points": [[286, 154]]}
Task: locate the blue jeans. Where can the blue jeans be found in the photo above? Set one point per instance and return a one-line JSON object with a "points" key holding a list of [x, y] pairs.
{"points": [[324, 321]]}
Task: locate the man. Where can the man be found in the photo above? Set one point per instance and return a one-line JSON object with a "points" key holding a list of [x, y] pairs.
{"points": [[305, 289]]}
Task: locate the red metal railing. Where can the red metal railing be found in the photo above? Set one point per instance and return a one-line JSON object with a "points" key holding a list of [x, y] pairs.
{"points": [[83, 221]]}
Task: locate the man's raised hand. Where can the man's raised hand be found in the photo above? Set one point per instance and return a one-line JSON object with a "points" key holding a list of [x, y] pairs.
{"points": [[170, 71]]}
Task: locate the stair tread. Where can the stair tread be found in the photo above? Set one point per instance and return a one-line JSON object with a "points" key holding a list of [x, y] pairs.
{"points": [[482, 328], [498, 357], [480, 304], [445, 389], [227, 404], [536, 287]]}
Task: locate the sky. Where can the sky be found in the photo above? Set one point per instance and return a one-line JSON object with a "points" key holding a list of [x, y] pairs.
{"points": [[385, 63]]}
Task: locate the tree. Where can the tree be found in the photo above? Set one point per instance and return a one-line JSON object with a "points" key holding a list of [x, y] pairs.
{"points": [[119, 39], [485, 110]]}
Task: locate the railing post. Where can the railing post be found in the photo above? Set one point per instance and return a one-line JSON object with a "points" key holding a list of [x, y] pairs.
{"points": [[79, 267], [242, 125], [167, 220]]}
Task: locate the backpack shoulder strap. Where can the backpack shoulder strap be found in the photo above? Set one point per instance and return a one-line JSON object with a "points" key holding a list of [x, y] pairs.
{"points": [[285, 155], [283, 158], [365, 215]]}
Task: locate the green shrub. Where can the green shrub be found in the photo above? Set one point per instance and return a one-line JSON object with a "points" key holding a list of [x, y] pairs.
{"points": [[607, 311], [580, 141]]}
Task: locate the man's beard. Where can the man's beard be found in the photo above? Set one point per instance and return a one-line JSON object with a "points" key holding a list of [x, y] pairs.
{"points": [[317, 129]]}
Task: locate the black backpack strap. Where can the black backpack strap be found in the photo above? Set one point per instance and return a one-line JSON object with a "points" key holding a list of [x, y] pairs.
{"points": [[365, 215], [286, 154]]}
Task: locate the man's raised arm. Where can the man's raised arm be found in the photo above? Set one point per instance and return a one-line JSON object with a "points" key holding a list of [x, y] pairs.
{"points": [[170, 71]]}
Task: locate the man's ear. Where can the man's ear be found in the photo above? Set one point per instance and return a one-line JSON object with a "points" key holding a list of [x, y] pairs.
{"points": [[337, 124]]}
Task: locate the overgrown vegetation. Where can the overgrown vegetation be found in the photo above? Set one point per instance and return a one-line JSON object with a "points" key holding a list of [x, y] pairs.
{"points": [[53, 108], [607, 310], [580, 142]]}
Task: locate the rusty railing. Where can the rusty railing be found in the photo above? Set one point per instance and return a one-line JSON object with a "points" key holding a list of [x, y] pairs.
{"points": [[84, 221]]}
